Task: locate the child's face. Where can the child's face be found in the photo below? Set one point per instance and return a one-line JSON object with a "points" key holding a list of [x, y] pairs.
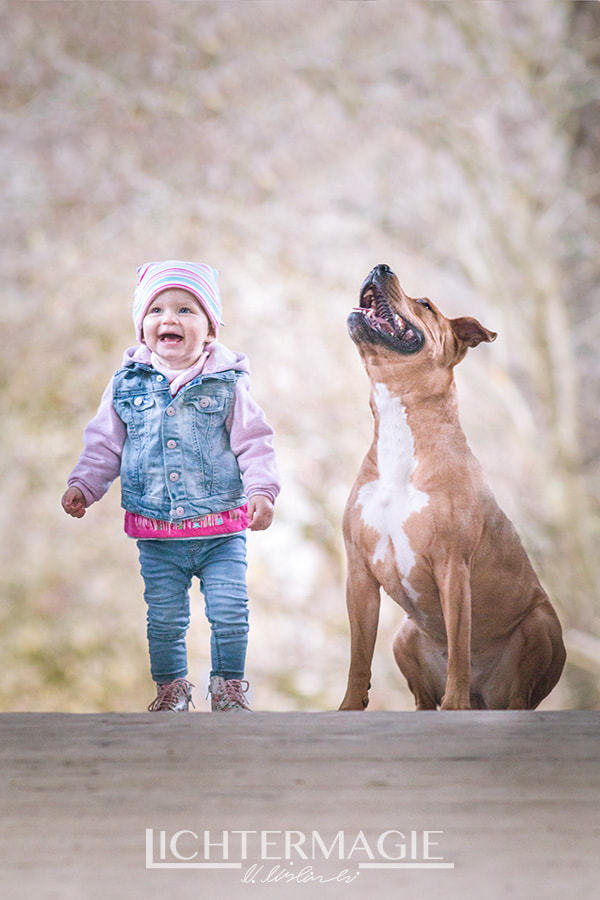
{"points": [[176, 328]]}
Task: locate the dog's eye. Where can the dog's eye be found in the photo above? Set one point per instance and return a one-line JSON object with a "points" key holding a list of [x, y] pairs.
{"points": [[426, 304]]}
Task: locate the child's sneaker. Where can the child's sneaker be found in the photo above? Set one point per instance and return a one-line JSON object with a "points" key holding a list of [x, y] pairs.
{"points": [[228, 694], [177, 696]]}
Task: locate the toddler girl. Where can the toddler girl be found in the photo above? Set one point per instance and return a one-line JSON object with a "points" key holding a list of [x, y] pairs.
{"points": [[197, 467]]}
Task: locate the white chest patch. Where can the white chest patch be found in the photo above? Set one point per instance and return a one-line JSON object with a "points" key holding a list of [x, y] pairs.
{"points": [[388, 502]]}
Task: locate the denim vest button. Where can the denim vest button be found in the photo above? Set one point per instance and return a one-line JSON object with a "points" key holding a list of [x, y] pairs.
{"points": [[170, 411], [171, 444], [179, 511], [204, 402], [138, 401], [174, 476], [160, 377]]}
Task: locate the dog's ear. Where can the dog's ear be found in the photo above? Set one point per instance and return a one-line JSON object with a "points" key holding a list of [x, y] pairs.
{"points": [[470, 332]]}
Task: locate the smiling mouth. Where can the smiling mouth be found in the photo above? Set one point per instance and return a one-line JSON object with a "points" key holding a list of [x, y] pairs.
{"points": [[170, 338], [379, 313], [375, 321]]}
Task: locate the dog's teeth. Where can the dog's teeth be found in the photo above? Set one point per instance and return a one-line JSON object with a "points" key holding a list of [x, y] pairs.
{"points": [[367, 302]]}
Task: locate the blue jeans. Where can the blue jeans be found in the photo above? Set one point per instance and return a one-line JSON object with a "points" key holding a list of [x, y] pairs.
{"points": [[167, 568]]}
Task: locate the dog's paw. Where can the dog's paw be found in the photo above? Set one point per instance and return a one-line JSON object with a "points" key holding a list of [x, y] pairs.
{"points": [[455, 700], [353, 703], [453, 703]]}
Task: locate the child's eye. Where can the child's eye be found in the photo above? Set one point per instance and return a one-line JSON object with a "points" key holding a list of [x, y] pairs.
{"points": [[155, 310], [185, 309]]}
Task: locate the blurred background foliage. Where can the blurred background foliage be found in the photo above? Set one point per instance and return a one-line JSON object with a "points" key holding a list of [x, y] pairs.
{"points": [[293, 146]]}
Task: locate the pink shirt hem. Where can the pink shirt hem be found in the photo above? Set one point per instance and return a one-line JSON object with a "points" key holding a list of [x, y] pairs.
{"points": [[213, 525]]}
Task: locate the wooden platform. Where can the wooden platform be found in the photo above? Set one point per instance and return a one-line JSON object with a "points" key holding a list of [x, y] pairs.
{"points": [[302, 805]]}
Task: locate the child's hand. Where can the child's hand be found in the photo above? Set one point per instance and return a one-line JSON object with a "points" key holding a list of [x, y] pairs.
{"points": [[260, 512], [73, 502]]}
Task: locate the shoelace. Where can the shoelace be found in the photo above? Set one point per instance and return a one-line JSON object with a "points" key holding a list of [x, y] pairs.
{"points": [[233, 691], [169, 694]]}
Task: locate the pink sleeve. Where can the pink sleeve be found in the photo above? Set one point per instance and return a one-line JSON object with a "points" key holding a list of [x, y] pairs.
{"points": [[252, 442], [100, 461]]}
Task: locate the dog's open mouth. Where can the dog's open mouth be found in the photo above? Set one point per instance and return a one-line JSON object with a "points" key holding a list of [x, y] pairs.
{"points": [[375, 321]]}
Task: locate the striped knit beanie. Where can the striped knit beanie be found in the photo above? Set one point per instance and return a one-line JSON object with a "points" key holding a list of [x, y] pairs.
{"points": [[198, 279]]}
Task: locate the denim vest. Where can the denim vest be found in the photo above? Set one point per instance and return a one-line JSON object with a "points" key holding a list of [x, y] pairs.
{"points": [[177, 461]]}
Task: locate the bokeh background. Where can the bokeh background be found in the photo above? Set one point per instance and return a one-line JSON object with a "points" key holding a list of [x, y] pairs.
{"points": [[293, 145]]}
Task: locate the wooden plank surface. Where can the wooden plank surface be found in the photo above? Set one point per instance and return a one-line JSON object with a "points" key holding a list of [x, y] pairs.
{"points": [[495, 804]]}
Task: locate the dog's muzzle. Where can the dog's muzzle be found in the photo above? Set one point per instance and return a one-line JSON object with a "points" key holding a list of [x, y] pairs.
{"points": [[376, 321]]}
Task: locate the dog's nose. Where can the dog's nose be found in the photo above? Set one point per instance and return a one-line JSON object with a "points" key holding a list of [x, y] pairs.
{"points": [[382, 269]]}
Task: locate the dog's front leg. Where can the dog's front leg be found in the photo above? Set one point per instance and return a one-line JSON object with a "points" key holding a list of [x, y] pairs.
{"points": [[363, 601], [454, 584]]}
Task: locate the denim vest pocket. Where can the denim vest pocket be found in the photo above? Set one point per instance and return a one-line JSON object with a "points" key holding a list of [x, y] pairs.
{"points": [[210, 404], [132, 407], [138, 413], [206, 404]]}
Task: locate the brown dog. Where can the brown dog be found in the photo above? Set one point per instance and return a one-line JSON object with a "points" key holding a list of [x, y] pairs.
{"points": [[421, 523]]}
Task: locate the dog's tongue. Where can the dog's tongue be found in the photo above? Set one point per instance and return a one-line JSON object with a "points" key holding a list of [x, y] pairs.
{"points": [[393, 323]]}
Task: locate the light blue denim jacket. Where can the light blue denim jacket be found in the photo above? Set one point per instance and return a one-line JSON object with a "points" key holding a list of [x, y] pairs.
{"points": [[177, 462]]}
